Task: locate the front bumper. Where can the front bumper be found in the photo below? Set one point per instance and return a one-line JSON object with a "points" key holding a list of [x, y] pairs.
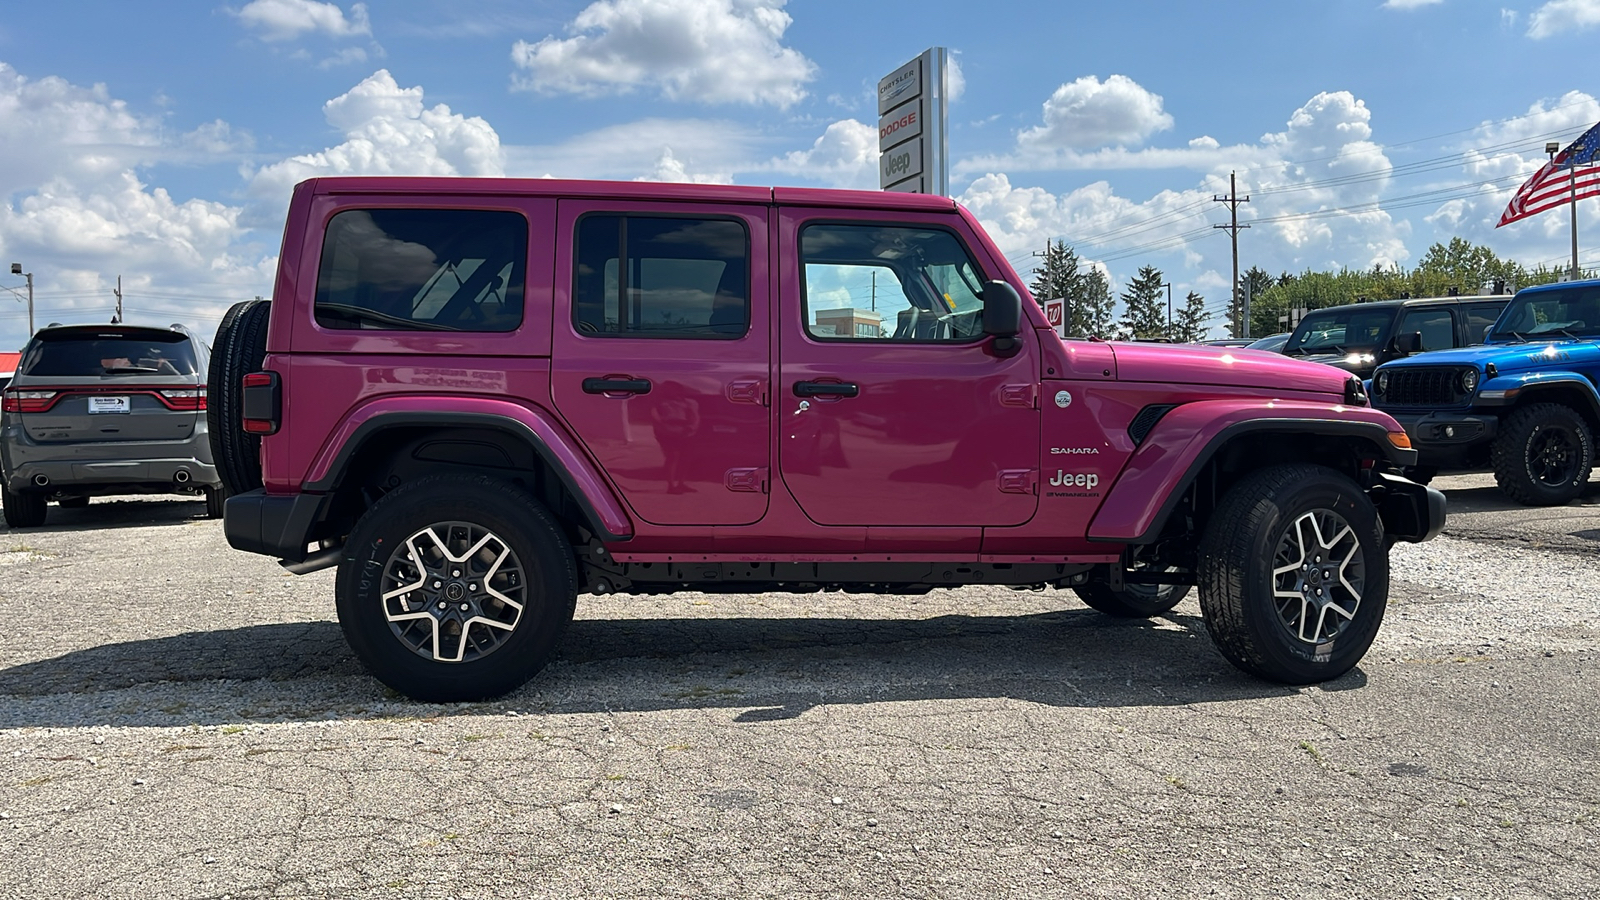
{"points": [[1410, 512], [1446, 439]]}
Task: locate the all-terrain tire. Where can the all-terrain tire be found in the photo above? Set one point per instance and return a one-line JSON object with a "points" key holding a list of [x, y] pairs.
{"points": [[1134, 601], [241, 347], [1256, 574], [432, 640], [1543, 454], [23, 510]]}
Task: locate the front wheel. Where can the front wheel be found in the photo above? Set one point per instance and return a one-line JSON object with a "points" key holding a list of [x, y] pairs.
{"points": [[456, 587], [1543, 454], [1294, 574]]}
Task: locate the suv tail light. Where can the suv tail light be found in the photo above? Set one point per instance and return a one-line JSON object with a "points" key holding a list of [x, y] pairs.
{"points": [[184, 398], [29, 401], [262, 402]]}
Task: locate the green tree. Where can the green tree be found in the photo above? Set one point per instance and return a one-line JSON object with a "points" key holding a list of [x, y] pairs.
{"points": [[1085, 291], [1145, 311], [1190, 324], [1255, 282]]}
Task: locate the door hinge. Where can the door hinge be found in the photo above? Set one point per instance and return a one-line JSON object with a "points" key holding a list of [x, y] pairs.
{"points": [[748, 391], [1024, 396], [752, 481], [1018, 481]]}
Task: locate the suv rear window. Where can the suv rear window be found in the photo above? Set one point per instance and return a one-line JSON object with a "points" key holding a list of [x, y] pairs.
{"points": [[80, 354], [423, 270]]}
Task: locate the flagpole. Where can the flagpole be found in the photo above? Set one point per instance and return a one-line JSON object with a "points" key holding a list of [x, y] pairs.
{"points": [[1572, 174]]}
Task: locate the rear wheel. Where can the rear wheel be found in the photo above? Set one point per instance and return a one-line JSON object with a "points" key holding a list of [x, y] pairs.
{"points": [[241, 347], [1134, 601], [1543, 455], [1294, 574], [456, 587], [23, 510]]}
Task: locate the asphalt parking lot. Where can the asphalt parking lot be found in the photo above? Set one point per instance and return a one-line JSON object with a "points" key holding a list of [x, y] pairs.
{"points": [[182, 720]]}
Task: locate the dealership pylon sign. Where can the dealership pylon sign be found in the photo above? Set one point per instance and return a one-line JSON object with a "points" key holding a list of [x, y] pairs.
{"points": [[913, 154]]}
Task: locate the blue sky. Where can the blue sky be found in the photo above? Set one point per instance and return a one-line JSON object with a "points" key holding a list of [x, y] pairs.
{"points": [[159, 142]]}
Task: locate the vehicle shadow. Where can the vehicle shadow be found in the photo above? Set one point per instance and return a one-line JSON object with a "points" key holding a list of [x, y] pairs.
{"points": [[773, 668], [1479, 499], [118, 512]]}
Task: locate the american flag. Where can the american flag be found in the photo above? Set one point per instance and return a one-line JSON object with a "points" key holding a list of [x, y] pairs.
{"points": [[1555, 182]]}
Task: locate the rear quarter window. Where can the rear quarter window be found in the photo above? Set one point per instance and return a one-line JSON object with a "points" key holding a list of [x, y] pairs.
{"points": [[423, 270]]}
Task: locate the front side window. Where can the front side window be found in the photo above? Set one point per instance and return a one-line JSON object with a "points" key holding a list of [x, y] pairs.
{"points": [[661, 277], [423, 270], [884, 282], [1436, 326]]}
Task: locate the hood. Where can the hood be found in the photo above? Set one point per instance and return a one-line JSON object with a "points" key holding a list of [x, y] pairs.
{"points": [[1234, 367], [1510, 357]]}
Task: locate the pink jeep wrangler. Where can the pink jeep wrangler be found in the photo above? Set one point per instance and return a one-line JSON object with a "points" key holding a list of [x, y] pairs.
{"points": [[480, 398]]}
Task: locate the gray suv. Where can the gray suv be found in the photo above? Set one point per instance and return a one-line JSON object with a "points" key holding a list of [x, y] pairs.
{"points": [[105, 409]]}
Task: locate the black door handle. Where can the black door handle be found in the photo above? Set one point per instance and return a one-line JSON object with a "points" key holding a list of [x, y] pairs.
{"points": [[616, 385], [825, 389]]}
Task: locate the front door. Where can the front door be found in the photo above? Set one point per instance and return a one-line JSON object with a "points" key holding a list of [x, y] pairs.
{"points": [[893, 408], [661, 353]]}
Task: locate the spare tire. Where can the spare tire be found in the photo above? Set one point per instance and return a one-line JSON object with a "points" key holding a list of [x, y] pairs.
{"points": [[240, 349]]}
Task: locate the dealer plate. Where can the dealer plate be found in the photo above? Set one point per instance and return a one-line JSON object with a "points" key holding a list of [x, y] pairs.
{"points": [[108, 404]]}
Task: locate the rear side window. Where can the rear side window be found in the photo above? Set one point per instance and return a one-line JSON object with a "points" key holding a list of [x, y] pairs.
{"points": [[1479, 317], [78, 355], [642, 276], [423, 270]]}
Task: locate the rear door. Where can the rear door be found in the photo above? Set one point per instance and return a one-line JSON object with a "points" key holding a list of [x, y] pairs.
{"points": [[87, 385], [661, 353]]}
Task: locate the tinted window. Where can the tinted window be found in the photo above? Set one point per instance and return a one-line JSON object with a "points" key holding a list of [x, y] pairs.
{"points": [[79, 354], [423, 270], [638, 276], [1479, 317], [1436, 326], [878, 282], [1341, 330]]}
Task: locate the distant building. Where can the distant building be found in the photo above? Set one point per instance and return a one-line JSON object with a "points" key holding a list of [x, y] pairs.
{"points": [[850, 322]]}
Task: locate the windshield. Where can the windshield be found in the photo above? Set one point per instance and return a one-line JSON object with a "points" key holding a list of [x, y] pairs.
{"points": [[1565, 312], [1340, 330]]}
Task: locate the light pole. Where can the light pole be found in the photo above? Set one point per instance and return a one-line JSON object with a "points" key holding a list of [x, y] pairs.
{"points": [[1553, 148], [16, 269]]}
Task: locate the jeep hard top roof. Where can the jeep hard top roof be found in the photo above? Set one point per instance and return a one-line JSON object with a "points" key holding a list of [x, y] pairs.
{"points": [[1408, 301], [625, 190]]}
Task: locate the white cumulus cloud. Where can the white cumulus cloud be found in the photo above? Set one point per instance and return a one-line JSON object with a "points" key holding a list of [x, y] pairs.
{"points": [[1563, 17], [845, 156], [712, 51], [389, 131], [283, 20], [1092, 113]]}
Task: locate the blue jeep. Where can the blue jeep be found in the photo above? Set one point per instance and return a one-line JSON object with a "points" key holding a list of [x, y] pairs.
{"points": [[1524, 404]]}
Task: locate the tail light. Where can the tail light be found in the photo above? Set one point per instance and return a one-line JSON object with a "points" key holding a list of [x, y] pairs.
{"points": [[192, 399], [29, 401], [262, 402]]}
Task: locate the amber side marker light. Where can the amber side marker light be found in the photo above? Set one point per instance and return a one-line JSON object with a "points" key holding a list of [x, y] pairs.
{"points": [[1400, 439]]}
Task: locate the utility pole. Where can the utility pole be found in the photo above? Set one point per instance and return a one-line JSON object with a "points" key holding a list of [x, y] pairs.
{"points": [[117, 318], [1168, 286], [1233, 200], [16, 269]]}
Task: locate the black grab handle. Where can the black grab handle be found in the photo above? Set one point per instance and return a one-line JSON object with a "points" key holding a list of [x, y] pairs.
{"points": [[825, 389], [616, 385]]}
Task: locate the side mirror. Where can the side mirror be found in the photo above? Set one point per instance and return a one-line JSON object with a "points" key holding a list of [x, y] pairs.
{"points": [[1486, 329], [1407, 344], [1002, 317]]}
